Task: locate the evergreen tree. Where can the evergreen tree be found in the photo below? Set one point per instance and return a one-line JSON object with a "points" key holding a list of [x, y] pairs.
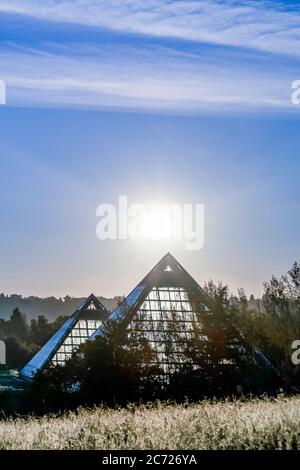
{"points": [[18, 325]]}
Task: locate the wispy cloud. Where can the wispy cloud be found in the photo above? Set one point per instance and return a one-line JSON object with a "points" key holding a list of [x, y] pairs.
{"points": [[240, 54], [265, 25], [153, 77]]}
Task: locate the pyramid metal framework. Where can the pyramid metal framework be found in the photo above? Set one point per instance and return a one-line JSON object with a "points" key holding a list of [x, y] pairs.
{"points": [[167, 296], [75, 331]]}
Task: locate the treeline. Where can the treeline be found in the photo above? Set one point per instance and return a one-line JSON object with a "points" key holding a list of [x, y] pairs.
{"points": [[50, 307], [273, 329], [278, 326], [116, 369], [24, 339]]}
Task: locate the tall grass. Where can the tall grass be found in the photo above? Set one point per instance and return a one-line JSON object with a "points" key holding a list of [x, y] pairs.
{"points": [[252, 424]]}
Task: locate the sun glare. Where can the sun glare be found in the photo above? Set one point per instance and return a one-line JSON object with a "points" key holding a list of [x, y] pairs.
{"points": [[157, 225]]}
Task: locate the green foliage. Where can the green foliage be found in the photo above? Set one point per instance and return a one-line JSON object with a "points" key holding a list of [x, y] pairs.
{"points": [[18, 352], [40, 330], [110, 370], [274, 329], [219, 360], [18, 324], [23, 340], [116, 369]]}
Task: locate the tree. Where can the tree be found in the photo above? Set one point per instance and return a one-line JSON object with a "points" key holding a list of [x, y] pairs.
{"points": [[40, 330], [18, 352], [282, 297], [220, 360], [18, 324], [113, 370], [282, 307]]}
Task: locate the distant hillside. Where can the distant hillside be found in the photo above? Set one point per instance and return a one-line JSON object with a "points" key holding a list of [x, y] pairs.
{"points": [[50, 307]]}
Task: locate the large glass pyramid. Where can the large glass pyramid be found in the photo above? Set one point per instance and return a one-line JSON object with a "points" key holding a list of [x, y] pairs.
{"points": [[74, 332], [167, 309]]}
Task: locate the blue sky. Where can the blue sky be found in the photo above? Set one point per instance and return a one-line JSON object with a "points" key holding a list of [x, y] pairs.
{"points": [[178, 101]]}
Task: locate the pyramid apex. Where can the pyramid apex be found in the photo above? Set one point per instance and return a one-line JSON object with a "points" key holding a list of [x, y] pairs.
{"points": [[91, 297], [168, 255]]}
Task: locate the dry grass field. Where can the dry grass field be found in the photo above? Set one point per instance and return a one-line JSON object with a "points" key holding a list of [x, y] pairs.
{"points": [[252, 424]]}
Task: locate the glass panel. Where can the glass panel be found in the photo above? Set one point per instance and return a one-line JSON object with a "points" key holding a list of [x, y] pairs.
{"points": [[77, 336], [144, 305], [165, 319], [153, 295], [154, 305]]}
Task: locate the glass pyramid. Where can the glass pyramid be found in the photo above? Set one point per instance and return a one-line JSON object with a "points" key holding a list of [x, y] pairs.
{"points": [[74, 332]]}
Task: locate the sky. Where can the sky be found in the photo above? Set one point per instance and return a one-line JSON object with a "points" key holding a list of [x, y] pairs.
{"points": [[159, 100]]}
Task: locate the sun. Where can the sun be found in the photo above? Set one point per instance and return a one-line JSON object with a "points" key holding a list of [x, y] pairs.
{"points": [[157, 225]]}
